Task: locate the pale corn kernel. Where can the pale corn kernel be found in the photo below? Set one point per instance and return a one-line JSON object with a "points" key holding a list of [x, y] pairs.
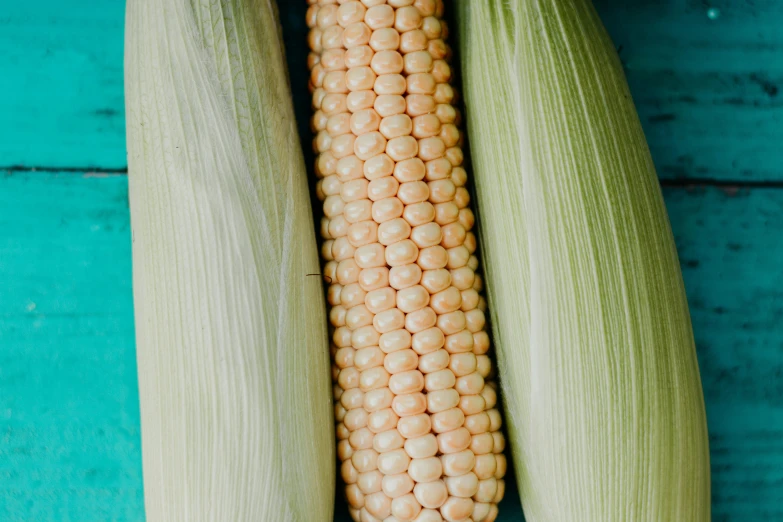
{"points": [[369, 482], [409, 404], [418, 214], [417, 62], [311, 16], [326, 16], [337, 315], [356, 79], [420, 320], [405, 508], [485, 465], [500, 469], [490, 398], [332, 37], [427, 341], [421, 83], [464, 486], [394, 341], [410, 41], [395, 486], [378, 505], [441, 71], [357, 317], [401, 361], [382, 420], [354, 420], [431, 27], [501, 491], [373, 278], [369, 145], [378, 399], [393, 462], [338, 226], [383, 40], [339, 412], [387, 441], [407, 19], [431, 495], [360, 100], [440, 380], [426, 7], [350, 12], [425, 126], [484, 366], [387, 209], [433, 362], [362, 233], [419, 104], [387, 62], [442, 400], [462, 363], [356, 35], [432, 258], [389, 104], [412, 169], [482, 444], [404, 276], [352, 399], [499, 442], [379, 16], [461, 342], [402, 148], [438, 49], [353, 495], [414, 426], [451, 322], [406, 382], [456, 509], [396, 126], [422, 447], [425, 470], [358, 56], [389, 320]]}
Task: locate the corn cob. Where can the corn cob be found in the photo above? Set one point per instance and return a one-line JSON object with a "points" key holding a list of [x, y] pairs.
{"points": [[418, 425]]}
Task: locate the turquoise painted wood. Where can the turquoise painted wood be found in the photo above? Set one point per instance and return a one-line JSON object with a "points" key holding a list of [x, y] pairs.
{"points": [[706, 77], [707, 92], [69, 414], [61, 91]]}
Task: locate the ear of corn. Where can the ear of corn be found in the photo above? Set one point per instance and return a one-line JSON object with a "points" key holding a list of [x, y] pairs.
{"points": [[231, 330], [597, 357], [418, 426]]}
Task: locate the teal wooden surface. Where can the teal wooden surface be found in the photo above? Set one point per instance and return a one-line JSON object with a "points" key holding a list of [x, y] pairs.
{"points": [[61, 91], [707, 92], [69, 414]]}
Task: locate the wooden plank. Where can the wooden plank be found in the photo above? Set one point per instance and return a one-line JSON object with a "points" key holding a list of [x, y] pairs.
{"points": [[69, 417], [61, 90], [705, 77], [730, 248]]}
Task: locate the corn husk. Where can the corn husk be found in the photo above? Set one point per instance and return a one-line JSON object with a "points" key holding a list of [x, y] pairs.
{"points": [[233, 357], [590, 320]]}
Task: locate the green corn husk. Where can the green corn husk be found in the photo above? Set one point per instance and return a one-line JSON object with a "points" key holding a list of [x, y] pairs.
{"points": [[233, 360], [595, 348]]}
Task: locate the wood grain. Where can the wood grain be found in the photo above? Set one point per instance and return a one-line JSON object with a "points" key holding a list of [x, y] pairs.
{"points": [[61, 87], [69, 414]]}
